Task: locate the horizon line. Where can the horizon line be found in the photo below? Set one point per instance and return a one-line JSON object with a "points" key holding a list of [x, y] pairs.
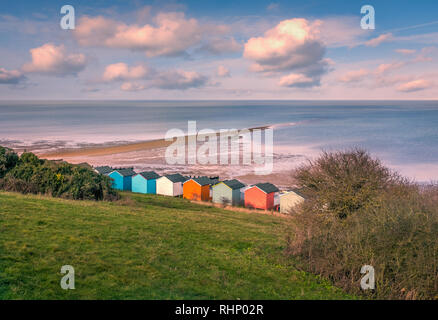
{"points": [[182, 100]]}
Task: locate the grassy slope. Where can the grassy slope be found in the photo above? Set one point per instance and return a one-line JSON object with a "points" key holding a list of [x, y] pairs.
{"points": [[145, 247]]}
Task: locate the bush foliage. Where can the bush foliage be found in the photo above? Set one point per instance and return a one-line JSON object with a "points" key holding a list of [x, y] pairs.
{"points": [[8, 160], [29, 174], [359, 213], [341, 183]]}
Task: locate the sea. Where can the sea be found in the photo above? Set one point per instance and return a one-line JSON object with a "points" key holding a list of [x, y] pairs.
{"points": [[403, 134]]}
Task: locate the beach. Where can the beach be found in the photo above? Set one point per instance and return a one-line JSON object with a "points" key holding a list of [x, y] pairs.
{"points": [[150, 156]]}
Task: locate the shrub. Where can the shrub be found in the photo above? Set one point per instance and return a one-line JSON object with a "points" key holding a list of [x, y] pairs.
{"points": [[340, 183], [387, 223], [29, 174], [8, 160], [18, 185]]}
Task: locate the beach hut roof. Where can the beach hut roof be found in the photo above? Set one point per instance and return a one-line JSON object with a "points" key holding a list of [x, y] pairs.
{"points": [[126, 172], [175, 177], [203, 181], [104, 169], [299, 192], [267, 187], [148, 175], [233, 184]]}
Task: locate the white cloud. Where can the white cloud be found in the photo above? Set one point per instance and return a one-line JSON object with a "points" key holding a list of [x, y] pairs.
{"points": [[163, 79], [387, 67], [378, 74], [298, 80], [406, 51], [171, 34], [121, 71], [425, 54], [223, 71], [389, 81], [129, 86], [168, 34], [55, 60], [220, 45], [341, 31], [179, 80], [416, 85], [379, 40], [11, 76], [354, 76], [292, 45]]}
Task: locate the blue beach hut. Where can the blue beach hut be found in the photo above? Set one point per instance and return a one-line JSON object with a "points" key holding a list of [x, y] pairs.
{"points": [[122, 178], [145, 182]]}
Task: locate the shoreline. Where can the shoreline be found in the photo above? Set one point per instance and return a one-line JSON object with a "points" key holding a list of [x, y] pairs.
{"points": [[150, 155], [104, 149]]}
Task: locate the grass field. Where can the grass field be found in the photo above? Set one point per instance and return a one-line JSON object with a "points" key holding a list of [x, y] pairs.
{"points": [[146, 247]]}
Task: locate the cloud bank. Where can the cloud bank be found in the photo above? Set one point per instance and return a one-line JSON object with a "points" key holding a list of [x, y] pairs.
{"points": [[292, 45], [167, 79], [171, 34], [168, 34], [50, 59], [121, 71], [11, 76], [416, 85]]}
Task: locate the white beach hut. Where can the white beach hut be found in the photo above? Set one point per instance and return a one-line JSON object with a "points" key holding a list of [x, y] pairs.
{"points": [[171, 185], [289, 200]]}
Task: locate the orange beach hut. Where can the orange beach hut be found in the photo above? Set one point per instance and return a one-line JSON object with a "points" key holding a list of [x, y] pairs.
{"points": [[197, 188]]}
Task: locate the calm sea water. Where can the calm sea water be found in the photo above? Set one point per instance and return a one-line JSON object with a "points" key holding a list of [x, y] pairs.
{"points": [[403, 134]]}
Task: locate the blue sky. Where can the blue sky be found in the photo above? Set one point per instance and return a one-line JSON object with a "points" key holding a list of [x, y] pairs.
{"points": [[218, 50]]}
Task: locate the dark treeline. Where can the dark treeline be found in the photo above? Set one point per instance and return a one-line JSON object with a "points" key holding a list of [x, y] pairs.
{"points": [[29, 174]]}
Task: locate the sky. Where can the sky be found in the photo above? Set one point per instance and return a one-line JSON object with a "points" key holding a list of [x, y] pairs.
{"points": [[153, 50]]}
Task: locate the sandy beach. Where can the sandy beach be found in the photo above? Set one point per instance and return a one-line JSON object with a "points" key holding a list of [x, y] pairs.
{"points": [[150, 155], [105, 150], [101, 150]]}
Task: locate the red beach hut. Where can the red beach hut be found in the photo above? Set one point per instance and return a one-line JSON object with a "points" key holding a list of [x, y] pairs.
{"points": [[261, 196]]}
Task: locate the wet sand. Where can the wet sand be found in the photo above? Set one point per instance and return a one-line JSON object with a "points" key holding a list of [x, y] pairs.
{"points": [[105, 150], [102, 150], [150, 155]]}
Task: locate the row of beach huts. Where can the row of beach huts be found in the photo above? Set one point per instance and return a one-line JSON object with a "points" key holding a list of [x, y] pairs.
{"points": [[264, 196]]}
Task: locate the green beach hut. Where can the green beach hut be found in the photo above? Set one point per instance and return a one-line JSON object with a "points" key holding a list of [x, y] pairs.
{"points": [[228, 192]]}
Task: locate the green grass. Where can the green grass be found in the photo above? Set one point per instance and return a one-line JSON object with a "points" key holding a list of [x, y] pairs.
{"points": [[146, 247]]}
